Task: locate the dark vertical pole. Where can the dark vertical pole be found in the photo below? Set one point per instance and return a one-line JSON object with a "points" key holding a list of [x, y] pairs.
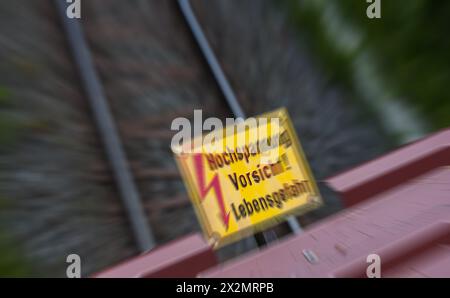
{"points": [[105, 125]]}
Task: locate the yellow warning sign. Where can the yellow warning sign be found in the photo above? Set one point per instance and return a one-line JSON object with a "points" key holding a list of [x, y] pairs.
{"points": [[247, 176]]}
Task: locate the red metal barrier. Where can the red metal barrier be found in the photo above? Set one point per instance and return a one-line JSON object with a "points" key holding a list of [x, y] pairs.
{"points": [[393, 169], [400, 211], [181, 258]]}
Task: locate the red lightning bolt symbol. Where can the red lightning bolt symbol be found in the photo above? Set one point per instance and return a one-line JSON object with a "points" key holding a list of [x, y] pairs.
{"points": [[213, 184]]}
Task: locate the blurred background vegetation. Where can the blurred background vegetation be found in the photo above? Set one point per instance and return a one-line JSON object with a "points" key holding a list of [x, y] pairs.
{"points": [[408, 48], [12, 263]]}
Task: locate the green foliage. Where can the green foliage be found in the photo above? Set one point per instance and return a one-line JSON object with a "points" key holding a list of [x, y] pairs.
{"points": [[410, 43], [10, 126], [9, 129], [5, 96], [11, 262]]}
